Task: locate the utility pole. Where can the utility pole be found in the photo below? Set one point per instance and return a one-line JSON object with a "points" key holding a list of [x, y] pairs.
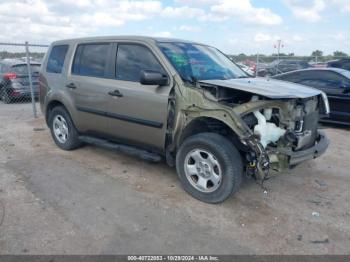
{"points": [[257, 65], [30, 80], [278, 45]]}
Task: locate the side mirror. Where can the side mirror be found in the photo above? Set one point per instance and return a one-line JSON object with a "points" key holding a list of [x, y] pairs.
{"points": [[149, 77], [346, 90], [345, 85]]}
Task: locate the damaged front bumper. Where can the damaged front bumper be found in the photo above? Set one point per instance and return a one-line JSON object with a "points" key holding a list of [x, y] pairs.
{"points": [[296, 157], [266, 159]]}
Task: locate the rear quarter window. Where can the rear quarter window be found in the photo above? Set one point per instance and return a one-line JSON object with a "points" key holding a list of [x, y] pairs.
{"points": [[56, 59]]}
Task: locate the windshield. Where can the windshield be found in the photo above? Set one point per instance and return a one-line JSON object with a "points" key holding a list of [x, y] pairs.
{"points": [[196, 62]]}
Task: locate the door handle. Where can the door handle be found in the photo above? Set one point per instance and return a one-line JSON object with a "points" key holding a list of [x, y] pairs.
{"points": [[115, 93], [71, 86]]}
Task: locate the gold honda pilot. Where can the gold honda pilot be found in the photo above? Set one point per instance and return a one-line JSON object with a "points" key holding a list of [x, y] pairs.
{"points": [[183, 102]]}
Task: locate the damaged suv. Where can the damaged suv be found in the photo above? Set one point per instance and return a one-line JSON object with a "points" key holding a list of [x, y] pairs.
{"points": [[183, 102]]}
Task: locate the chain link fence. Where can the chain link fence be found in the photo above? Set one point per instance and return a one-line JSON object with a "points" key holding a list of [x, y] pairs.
{"points": [[19, 73]]}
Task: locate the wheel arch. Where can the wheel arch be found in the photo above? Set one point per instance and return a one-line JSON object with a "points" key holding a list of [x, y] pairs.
{"points": [[204, 124], [51, 105]]}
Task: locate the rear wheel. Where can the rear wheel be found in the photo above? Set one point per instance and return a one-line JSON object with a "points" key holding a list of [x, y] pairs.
{"points": [[63, 130], [5, 97], [209, 167]]}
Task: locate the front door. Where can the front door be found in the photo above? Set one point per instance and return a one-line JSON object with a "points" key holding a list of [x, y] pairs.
{"points": [[138, 113]]}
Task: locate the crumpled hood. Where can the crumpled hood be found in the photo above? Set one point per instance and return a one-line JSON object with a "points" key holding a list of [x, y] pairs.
{"points": [[270, 88]]}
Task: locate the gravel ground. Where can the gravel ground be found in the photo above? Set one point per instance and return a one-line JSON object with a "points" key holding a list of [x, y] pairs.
{"points": [[93, 201]]}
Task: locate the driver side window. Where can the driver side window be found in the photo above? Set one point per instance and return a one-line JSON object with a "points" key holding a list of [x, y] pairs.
{"points": [[132, 59]]}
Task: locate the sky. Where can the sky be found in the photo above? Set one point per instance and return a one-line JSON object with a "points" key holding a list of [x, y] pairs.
{"points": [[234, 26]]}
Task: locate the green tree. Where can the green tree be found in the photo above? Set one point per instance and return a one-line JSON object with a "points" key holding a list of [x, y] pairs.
{"points": [[339, 53], [317, 53], [241, 57]]}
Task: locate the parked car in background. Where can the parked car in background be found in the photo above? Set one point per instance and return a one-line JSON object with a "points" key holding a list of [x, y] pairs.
{"points": [[318, 64], [282, 66], [246, 69], [334, 82], [14, 80], [251, 64], [343, 63]]}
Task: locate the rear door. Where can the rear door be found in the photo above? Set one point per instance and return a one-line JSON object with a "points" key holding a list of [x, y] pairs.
{"points": [[138, 115], [86, 85]]}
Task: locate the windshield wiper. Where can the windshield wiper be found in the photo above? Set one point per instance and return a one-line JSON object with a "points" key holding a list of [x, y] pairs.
{"points": [[194, 80]]}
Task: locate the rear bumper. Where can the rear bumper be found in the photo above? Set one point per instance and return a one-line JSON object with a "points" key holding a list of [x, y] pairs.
{"points": [[297, 157], [15, 93]]}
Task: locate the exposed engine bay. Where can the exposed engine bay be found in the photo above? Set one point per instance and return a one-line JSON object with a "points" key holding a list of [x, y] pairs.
{"points": [[293, 127], [278, 128]]}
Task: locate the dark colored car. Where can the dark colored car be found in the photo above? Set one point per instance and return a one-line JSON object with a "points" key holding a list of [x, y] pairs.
{"points": [[14, 80], [334, 82], [282, 66], [343, 63]]}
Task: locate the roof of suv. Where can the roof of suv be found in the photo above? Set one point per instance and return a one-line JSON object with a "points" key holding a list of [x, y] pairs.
{"points": [[16, 61], [148, 39]]}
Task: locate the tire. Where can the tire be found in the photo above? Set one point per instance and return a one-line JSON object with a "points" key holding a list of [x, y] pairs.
{"points": [[227, 162], [5, 97], [61, 122]]}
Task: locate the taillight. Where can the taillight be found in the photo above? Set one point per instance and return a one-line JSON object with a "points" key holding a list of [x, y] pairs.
{"points": [[15, 93], [10, 76]]}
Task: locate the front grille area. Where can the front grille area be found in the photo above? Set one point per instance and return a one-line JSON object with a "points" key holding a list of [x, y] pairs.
{"points": [[311, 124]]}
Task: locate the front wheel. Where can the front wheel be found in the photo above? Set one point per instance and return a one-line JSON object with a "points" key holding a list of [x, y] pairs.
{"points": [[209, 167]]}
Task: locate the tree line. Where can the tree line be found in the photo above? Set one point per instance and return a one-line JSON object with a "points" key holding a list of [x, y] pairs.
{"points": [[6, 54], [316, 56]]}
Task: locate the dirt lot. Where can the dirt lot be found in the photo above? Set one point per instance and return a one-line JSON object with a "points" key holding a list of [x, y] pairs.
{"points": [[93, 201]]}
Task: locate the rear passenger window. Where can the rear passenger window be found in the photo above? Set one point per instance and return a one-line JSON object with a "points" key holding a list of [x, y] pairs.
{"points": [[56, 59], [91, 60], [131, 59]]}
